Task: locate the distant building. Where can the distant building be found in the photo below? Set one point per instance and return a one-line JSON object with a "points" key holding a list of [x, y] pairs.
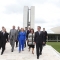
{"points": [[54, 36], [56, 30]]}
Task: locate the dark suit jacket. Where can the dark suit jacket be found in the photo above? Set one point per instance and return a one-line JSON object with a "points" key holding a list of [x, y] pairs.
{"points": [[45, 35], [18, 32], [39, 38], [7, 35], [27, 34], [2, 39]]}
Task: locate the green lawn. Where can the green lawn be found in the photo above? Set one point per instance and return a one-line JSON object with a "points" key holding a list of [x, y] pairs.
{"points": [[55, 45]]}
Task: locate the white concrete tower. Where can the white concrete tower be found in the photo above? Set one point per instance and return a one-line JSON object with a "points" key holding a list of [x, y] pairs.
{"points": [[28, 18], [25, 16], [32, 16]]}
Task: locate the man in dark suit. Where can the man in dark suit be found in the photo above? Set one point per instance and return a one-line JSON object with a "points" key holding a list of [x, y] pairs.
{"points": [[2, 40], [39, 41], [7, 35], [29, 29], [18, 30], [45, 35], [27, 32]]}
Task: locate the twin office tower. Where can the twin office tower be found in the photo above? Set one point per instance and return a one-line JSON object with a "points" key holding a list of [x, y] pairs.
{"points": [[28, 16]]}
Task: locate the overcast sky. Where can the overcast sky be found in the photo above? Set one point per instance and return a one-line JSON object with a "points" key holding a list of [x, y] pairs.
{"points": [[47, 13]]}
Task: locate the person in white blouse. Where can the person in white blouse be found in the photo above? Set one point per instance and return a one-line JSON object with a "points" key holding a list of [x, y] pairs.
{"points": [[31, 40]]}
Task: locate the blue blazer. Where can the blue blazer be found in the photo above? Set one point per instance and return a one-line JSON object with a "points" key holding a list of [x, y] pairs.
{"points": [[22, 36]]}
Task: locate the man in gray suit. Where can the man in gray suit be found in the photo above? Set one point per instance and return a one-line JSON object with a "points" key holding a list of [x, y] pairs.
{"points": [[13, 37]]}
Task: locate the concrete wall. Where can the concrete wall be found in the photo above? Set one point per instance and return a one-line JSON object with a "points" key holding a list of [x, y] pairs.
{"points": [[32, 16], [25, 16]]}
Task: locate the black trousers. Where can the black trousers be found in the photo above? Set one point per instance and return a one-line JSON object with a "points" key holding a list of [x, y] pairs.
{"points": [[25, 43], [38, 49], [3, 48], [2, 45], [16, 43]]}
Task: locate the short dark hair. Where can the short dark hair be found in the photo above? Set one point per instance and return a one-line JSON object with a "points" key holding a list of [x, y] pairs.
{"points": [[2, 27], [26, 27], [43, 28], [39, 26]]}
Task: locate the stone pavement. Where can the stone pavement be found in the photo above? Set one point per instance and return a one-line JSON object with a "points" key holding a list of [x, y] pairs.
{"points": [[48, 54]]}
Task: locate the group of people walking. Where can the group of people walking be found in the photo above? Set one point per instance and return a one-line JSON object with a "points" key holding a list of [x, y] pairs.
{"points": [[22, 36]]}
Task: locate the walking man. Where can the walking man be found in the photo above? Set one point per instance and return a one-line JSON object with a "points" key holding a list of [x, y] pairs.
{"points": [[13, 37], [3, 40], [39, 41], [45, 36]]}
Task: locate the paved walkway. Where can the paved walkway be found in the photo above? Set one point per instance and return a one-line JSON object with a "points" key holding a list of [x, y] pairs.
{"points": [[48, 54]]}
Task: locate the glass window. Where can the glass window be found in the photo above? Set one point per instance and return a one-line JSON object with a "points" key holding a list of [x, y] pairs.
{"points": [[52, 37], [58, 37]]}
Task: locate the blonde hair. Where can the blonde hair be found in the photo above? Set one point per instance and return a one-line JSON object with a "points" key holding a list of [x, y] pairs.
{"points": [[22, 29]]}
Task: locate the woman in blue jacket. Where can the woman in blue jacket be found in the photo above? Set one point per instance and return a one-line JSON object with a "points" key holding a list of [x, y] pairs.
{"points": [[21, 38]]}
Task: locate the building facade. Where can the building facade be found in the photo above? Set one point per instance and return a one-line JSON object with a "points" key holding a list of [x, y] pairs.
{"points": [[53, 38], [28, 18]]}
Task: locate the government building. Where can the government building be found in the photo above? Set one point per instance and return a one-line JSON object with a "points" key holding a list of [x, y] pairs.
{"points": [[54, 36]]}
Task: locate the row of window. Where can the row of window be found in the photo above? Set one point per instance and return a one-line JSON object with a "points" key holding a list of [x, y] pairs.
{"points": [[53, 37]]}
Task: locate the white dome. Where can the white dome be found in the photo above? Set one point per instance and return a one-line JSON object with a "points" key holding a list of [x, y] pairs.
{"points": [[56, 30]]}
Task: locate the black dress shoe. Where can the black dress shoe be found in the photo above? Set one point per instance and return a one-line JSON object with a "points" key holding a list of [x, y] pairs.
{"points": [[25, 47], [37, 57], [11, 50], [40, 53], [1, 53], [17, 46], [22, 50]]}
